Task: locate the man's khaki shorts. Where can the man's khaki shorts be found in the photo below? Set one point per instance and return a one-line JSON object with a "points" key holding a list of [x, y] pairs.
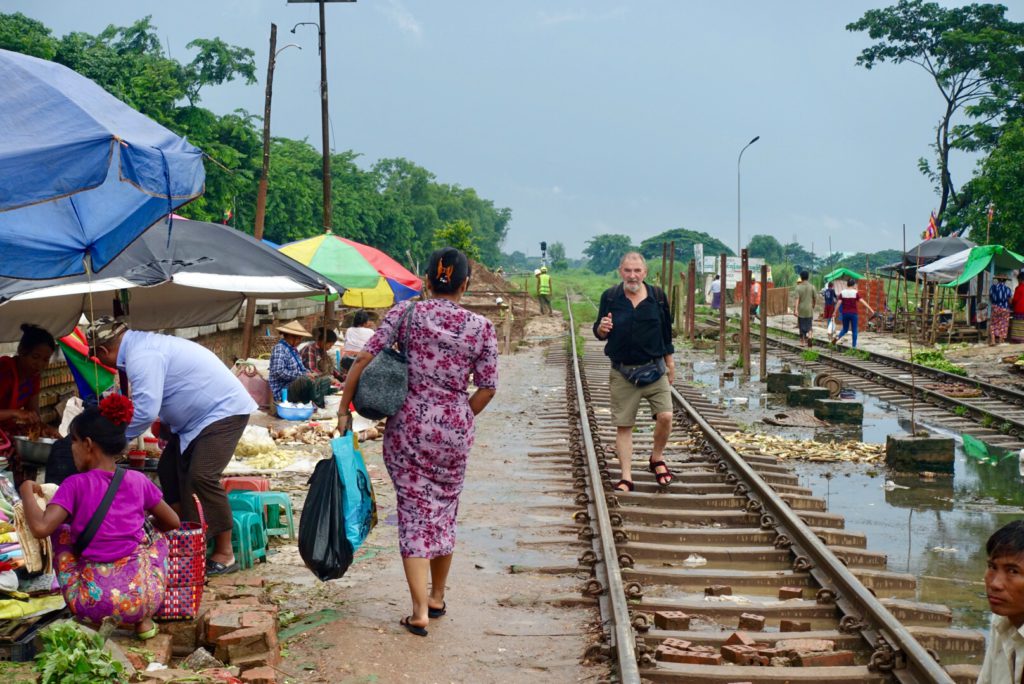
{"points": [[625, 398]]}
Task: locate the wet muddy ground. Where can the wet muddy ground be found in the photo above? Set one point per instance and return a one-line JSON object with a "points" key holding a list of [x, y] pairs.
{"points": [[500, 625], [935, 530]]}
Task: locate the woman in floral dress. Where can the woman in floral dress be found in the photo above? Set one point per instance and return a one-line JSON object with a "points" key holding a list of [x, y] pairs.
{"points": [[427, 443]]}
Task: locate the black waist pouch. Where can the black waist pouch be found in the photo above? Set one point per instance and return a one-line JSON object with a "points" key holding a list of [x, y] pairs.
{"points": [[644, 374]]}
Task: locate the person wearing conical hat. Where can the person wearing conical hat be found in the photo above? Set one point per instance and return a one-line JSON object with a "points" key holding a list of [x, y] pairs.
{"points": [[289, 374]]}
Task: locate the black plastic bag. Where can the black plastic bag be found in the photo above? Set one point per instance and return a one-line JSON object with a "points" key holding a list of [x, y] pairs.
{"points": [[322, 542]]}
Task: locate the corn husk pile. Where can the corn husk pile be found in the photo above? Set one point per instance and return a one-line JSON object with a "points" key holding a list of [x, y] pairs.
{"points": [[276, 459], [805, 449]]}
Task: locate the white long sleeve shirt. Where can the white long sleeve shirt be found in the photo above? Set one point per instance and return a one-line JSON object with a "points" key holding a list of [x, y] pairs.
{"points": [[1004, 657]]}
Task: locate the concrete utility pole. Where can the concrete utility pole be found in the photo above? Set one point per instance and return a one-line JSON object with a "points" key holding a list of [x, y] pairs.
{"points": [[745, 314], [261, 193], [721, 310], [763, 347]]}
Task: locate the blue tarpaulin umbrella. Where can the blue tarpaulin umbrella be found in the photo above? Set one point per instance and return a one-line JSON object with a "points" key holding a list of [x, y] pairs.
{"points": [[81, 173]]}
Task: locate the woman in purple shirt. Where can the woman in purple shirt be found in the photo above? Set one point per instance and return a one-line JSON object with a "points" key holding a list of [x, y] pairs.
{"points": [[121, 572]]}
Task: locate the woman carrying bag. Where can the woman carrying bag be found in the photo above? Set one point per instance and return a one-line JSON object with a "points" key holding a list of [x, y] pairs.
{"points": [[427, 442]]}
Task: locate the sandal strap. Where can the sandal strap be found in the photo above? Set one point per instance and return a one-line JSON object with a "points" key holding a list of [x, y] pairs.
{"points": [[628, 483]]}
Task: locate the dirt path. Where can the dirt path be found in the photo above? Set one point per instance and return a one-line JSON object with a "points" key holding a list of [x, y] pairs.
{"points": [[500, 626]]}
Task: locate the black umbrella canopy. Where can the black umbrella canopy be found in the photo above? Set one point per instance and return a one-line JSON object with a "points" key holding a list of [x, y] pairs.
{"points": [[937, 248], [177, 274]]}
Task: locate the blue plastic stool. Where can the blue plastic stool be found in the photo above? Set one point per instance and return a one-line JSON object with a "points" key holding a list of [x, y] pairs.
{"points": [[270, 505]]}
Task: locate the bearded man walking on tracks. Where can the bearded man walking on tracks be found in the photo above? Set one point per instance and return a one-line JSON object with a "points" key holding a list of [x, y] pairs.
{"points": [[634, 318]]}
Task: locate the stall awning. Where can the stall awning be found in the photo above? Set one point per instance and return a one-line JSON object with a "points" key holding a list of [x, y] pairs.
{"points": [[980, 258], [843, 273]]}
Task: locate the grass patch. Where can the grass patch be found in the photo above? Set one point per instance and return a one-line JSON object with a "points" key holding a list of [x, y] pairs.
{"points": [[583, 284], [857, 354], [810, 355], [960, 411], [936, 359]]}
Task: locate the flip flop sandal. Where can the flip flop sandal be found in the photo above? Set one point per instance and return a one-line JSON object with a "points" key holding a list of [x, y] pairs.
{"points": [[628, 484], [215, 568], [412, 629], [148, 634], [664, 479], [434, 613]]}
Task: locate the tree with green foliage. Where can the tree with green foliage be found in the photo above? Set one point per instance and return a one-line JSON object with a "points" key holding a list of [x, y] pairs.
{"points": [[795, 254], [999, 181], [604, 251], [457, 234], [556, 255], [685, 240], [394, 205], [783, 275], [765, 247], [972, 53]]}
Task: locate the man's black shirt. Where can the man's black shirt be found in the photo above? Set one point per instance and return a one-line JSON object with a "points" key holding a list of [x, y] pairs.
{"points": [[638, 334]]}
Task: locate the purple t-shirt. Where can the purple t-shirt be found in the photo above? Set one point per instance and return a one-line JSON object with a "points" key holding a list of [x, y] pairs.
{"points": [[121, 530]]}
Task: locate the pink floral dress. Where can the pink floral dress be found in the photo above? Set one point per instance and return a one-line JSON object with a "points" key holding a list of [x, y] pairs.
{"points": [[427, 442]]}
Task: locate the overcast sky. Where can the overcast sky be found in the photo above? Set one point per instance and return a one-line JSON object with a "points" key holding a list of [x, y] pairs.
{"points": [[594, 116]]}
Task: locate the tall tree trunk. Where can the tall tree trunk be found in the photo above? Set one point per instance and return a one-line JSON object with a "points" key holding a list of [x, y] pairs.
{"points": [[945, 180]]}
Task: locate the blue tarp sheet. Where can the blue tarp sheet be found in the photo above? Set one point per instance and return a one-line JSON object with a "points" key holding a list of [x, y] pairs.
{"points": [[81, 173]]}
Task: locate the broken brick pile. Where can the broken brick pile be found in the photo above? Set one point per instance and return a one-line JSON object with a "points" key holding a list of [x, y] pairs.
{"points": [[742, 649], [238, 625]]}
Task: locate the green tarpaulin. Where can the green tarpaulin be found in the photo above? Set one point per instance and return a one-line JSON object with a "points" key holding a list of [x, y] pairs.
{"points": [[980, 259], [843, 273]]}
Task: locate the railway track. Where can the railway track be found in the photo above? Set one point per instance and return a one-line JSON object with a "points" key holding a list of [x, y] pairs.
{"points": [[735, 573], [995, 416]]}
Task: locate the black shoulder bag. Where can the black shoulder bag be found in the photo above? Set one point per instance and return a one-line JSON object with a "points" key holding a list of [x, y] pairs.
{"points": [[385, 380], [82, 543]]}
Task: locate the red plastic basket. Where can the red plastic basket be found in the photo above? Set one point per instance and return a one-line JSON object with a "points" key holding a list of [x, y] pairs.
{"points": [[186, 569]]}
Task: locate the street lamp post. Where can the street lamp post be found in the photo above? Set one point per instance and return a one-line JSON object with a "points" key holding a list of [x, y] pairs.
{"points": [[739, 240]]}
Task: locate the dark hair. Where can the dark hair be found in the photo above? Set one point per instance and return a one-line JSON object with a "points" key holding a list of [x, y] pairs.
{"points": [[851, 282], [804, 275], [33, 336], [318, 335], [92, 424], [1008, 540], [360, 318], [832, 284], [447, 269]]}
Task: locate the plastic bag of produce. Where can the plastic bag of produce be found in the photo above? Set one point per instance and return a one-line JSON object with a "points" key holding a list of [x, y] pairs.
{"points": [[255, 440], [323, 545], [360, 505]]}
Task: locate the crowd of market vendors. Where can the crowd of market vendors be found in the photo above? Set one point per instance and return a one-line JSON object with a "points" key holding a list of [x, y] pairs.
{"points": [[109, 561], [841, 304]]}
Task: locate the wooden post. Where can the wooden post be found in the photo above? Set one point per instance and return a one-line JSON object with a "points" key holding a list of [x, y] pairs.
{"points": [[670, 280], [674, 303], [763, 350], [507, 329], [691, 299], [721, 310], [664, 257], [744, 328]]}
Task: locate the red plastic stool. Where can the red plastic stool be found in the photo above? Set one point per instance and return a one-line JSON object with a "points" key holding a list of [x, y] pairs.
{"points": [[251, 483]]}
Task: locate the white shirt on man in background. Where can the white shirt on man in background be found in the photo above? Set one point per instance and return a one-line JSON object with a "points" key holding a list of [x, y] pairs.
{"points": [[356, 338], [1004, 657]]}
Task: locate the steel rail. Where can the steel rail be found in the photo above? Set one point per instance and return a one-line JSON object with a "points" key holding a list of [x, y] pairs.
{"points": [[911, 388], [620, 629], [987, 388], [896, 650]]}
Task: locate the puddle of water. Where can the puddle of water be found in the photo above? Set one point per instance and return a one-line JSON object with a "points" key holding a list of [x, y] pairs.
{"points": [[934, 530]]}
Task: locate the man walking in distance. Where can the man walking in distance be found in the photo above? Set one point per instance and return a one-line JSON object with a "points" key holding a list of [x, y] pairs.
{"points": [[634, 319], [203, 410], [806, 300], [544, 290]]}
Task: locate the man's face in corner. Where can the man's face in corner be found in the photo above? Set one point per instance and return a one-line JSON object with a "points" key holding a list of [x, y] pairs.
{"points": [[633, 273], [1004, 586]]}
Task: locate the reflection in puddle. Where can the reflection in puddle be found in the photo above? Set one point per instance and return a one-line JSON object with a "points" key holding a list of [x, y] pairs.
{"points": [[935, 530]]}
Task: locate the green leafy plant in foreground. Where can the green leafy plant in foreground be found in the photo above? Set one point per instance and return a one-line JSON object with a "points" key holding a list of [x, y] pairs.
{"points": [[937, 359], [810, 355], [73, 656]]}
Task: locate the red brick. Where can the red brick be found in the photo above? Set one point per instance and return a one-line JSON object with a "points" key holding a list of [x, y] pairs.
{"points": [[221, 621], [703, 649], [740, 638], [245, 642], [691, 658], [259, 618], [678, 644], [260, 675], [664, 652], [267, 659], [751, 621], [805, 645], [769, 652], [794, 626], [786, 593], [743, 655], [828, 659], [235, 580], [718, 590], [671, 619]]}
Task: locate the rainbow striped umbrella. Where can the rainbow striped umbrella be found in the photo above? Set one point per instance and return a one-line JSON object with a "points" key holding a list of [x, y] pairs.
{"points": [[372, 279]]}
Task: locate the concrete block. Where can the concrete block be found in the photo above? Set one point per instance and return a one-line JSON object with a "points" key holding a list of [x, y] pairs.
{"points": [[805, 396], [805, 645], [838, 411], [781, 382], [828, 659], [907, 453]]}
